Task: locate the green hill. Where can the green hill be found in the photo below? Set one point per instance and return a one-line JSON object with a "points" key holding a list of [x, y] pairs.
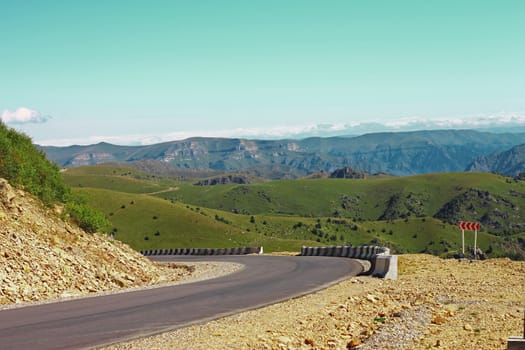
{"points": [[146, 222], [408, 214], [450, 197]]}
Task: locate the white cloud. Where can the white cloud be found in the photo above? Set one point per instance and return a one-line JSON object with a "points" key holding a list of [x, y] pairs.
{"points": [[496, 122], [23, 115]]}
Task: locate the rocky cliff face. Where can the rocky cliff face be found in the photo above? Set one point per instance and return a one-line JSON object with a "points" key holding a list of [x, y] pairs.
{"points": [[43, 257], [511, 162]]}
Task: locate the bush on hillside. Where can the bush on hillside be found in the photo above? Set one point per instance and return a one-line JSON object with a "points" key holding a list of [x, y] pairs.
{"points": [[21, 163], [89, 219]]}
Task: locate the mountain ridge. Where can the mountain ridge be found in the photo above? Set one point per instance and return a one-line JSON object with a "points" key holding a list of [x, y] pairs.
{"points": [[510, 162], [396, 153]]}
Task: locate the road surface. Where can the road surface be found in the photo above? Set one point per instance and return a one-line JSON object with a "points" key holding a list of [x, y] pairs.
{"points": [[92, 322]]}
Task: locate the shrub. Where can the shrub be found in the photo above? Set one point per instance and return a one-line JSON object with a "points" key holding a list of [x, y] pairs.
{"points": [[89, 219], [21, 163]]}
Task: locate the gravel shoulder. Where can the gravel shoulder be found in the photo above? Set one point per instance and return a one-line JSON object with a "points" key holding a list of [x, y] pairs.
{"points": [[435, 303]]}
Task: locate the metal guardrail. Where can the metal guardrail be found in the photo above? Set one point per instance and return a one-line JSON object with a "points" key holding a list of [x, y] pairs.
{"points": [[204, 251]]}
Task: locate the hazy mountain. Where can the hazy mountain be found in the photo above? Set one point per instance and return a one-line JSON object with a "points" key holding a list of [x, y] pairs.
{"points": [[510, 162], [397, 153]]}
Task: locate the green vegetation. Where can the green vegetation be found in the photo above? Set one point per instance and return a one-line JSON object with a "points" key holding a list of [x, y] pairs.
{"points": [[493, 200], [146, 222], [22, 164], [87, 217], [117, 179], [408, 214]]}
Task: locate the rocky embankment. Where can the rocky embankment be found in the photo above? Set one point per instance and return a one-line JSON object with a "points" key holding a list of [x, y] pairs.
{"points": [[42, 257]]}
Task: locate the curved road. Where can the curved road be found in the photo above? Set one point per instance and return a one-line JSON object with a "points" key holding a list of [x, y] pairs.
{"points": [[95, 321]]}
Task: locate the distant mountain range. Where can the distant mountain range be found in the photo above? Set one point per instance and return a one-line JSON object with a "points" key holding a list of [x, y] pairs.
{"points": [[396, 153]]}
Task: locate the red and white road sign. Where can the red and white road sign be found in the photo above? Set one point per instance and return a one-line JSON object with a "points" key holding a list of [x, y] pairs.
{"points": [[469, 226]]}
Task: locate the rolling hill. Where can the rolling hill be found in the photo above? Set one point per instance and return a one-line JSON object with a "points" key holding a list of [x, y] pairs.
{"points": [[408, 214]]}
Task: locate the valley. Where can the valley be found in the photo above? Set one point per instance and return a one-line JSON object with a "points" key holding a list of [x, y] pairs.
{"points": [[412, 214]]}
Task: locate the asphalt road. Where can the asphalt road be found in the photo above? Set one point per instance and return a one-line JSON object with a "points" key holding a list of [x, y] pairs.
{"points": [[96, 321]]}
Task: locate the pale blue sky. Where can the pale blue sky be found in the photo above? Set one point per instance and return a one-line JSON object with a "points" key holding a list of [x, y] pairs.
{"points": [[146, 71]]}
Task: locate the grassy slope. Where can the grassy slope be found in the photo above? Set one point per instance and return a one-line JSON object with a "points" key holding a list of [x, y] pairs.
{"points": [[322, 197], [283, 215], [166, 224], [117, 179]]}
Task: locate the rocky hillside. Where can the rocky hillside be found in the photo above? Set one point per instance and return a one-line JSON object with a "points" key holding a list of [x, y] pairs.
{"points": [[224, 180], [403, 153], [44, 257], [511, 162]]}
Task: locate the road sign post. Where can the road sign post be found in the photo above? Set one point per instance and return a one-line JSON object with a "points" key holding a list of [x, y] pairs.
{"points": [[475, 242], [469, 226], [462, 241]]}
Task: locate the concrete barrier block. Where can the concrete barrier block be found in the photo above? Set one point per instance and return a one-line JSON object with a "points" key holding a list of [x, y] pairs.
{"points": [[344, 251], [363, 254], [337, 251], [385, 266]]}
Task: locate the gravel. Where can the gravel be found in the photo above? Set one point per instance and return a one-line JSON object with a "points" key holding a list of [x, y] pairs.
{"points": [[435, 303]]}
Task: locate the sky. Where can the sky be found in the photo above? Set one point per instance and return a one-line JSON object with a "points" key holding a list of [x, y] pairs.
{"points": [[139, 72]]}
